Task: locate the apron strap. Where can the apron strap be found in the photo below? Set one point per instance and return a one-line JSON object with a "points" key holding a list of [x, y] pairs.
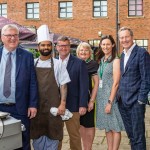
{"points": [[36, 62], [52, 63]]}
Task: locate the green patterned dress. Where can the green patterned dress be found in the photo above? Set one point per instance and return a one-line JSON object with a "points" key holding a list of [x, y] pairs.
{"points": [[112, 121]]}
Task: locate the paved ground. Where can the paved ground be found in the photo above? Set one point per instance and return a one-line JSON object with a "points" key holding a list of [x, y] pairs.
{"points": [[100, 139]]}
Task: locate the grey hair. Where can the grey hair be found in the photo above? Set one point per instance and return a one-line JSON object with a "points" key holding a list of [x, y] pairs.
{"points": [[85, 45], [9, 26], [125, 28], [63, 38]]}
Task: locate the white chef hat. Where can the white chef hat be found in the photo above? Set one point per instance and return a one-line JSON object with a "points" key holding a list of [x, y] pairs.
{"points": [[43, 34]]}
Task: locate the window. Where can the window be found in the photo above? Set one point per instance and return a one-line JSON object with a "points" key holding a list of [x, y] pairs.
{"points": [[95, 47], [32, 10], [142, 43], [3, 10], [100, 8], [94, 43], [135, 7], [65, 9]]}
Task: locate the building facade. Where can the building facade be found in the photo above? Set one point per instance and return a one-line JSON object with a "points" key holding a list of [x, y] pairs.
{"points": [[83, 19]]}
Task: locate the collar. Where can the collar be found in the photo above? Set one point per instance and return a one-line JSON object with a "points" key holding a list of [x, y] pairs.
{"points": [[66, 59], [5, 51], [128, 52], [44, 60], [108, 59], [88, 60]]}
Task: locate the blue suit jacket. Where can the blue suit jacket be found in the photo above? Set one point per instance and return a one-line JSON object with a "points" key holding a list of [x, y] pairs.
{"points": [[26, 83], [77, 94], [135, 79]]}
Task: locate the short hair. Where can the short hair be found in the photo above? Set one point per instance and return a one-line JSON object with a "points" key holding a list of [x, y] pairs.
{"points": [[85, 45], [125, 28], [9, 26], [63, 38]]}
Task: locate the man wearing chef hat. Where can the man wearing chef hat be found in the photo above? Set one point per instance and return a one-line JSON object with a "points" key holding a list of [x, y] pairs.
{"points": [[52, 76]]}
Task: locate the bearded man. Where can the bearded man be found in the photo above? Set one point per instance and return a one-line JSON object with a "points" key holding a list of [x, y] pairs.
{"points": [[52, 76]]}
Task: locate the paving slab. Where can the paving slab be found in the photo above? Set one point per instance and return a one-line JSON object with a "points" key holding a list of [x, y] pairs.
{"points": [[100, 142]]}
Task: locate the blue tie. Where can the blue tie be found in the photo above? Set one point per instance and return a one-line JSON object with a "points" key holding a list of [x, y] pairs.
{"points": [[7, 77]]}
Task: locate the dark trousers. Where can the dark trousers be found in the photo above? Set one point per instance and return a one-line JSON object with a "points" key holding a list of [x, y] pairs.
{"points": [[133, 118], [24, 120]]}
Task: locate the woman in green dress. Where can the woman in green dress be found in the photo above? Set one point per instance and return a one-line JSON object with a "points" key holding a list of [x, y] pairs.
{"points": [[107, 114]]}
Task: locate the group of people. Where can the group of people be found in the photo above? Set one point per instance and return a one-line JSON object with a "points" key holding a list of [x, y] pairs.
{"points": [[114, 90]]}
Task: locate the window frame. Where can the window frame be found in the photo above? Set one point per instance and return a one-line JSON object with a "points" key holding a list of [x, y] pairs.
{"points": [[136, 9], [33, 13], [2, 9], [100, 8], [143, 43], [94, 42], [65, 9]]}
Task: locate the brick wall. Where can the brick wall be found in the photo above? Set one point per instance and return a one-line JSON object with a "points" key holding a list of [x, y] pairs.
{"points": [[82, 25]]}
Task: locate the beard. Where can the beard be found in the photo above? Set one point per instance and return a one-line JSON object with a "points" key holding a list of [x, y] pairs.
{"points": [[47, 53]]}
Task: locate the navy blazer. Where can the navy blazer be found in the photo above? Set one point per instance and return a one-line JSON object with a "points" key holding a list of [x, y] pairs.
{"points": [[135, 79], [77, 94], [26, 82]]}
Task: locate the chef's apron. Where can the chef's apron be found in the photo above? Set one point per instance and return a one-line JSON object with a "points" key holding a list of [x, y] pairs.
{"points": [[45, 123]]}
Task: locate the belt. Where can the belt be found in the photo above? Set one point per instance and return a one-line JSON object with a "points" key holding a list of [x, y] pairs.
{"points": [[7, 104]]}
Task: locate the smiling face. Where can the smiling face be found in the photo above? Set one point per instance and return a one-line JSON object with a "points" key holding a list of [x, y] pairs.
{"points": [[84, 53], [10, 39], [106, 46], [45, 48], [126, 40], [63, 47]]}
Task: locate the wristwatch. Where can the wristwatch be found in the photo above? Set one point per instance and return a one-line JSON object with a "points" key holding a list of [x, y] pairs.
{"points": [[109, 101]]}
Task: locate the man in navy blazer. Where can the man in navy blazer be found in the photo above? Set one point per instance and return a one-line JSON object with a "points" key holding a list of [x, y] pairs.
{"points": [[134, 88], [77, 90], [21, 102]]}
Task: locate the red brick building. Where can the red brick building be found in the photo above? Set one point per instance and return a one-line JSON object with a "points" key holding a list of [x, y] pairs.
{"points": [[83, 19]]}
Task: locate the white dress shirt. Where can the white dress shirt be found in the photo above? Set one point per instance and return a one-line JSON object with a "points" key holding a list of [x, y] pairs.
{"points": [[127, 54], [65, 61]]}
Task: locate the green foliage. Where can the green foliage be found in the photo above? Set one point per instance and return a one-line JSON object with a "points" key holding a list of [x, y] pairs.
{"points": [[35, 53]]}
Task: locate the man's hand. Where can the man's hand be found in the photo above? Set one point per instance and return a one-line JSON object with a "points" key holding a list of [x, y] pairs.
{"points": [[82, 111], [61, 109], [32, 112]]}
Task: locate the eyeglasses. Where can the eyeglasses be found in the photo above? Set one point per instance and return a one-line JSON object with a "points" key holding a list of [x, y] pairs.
{"points": [[63, 46], [9, 36]]}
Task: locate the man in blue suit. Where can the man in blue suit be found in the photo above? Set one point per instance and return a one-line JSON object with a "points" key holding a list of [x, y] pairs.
{"points": [[133, 89], [18, 93], [77, 90]]}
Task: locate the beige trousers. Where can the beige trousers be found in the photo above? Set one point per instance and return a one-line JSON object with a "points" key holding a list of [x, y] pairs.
{"points": [[73, 126]]}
